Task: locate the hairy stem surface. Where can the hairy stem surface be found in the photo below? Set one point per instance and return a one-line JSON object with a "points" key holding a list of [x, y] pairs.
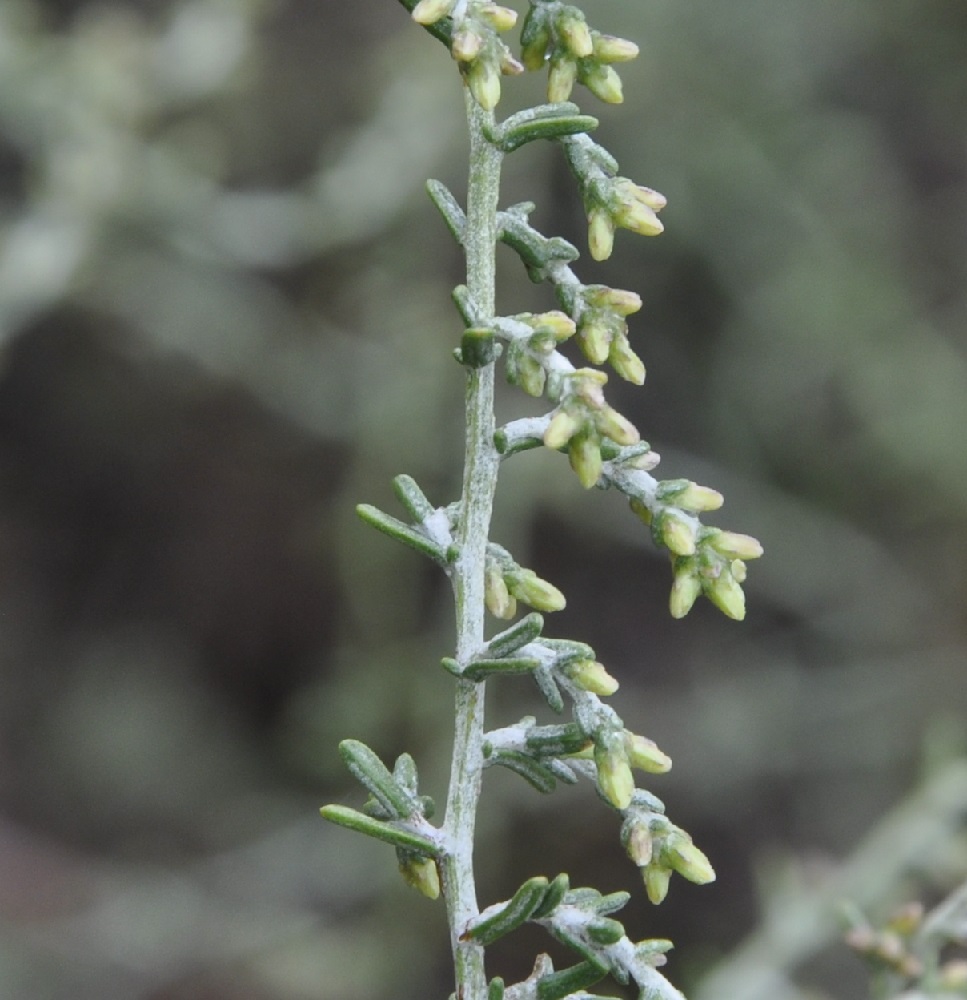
{"points": [[479, 484]]}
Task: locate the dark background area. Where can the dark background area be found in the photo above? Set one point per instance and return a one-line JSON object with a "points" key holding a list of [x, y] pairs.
{"points": [[224, 306]]}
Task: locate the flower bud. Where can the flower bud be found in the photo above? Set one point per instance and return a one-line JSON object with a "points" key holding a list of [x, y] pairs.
{"points": [[600, 233], [618, 300], [675, 532], [645, 755], [574, 32], [497, 597], [698, 499], [638, 842], [422, 874], [563, 426], [561, 78], [620, 429], [528, 587], [625, 362], [483, 78], [739, 570], [556, 322], [535, 36], [584, 452], [499, 18], [467, 43], [656, 879], [589, 675], [431, 11], [685, 590], [736, 545], [595, 338], [615, 779], [610, 49], [603, 82], [683, 856], [726, 594], [530, 375]]}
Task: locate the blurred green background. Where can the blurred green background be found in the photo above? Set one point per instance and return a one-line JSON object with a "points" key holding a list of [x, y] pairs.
{"points": [[224, 306]]}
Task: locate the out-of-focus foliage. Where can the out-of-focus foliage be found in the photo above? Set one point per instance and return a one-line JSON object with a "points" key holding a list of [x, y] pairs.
{"points": [[225, 320]]}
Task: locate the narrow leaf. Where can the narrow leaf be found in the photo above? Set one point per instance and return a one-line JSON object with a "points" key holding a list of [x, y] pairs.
{"points": [[412, 498], [514, 135], [353, 820], [558, 985], [519, 634], [529, 769], [401, 532], [449, 207], [510, 915], [479, 670], [552, 897], [366, 767]]}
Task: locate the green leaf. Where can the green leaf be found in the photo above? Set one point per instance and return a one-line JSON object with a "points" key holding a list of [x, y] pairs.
{"points": [[554, 741], [553, 896], [412, 498], [366, 767], [557, 985], [527, 767], [510, 915], [402, 532], [550, 121], [395, 835], [480, 670], [519, 634], [449, 208]]}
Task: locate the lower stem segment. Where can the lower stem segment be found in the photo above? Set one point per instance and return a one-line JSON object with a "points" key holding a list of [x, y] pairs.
{"points": [[476, 505]]}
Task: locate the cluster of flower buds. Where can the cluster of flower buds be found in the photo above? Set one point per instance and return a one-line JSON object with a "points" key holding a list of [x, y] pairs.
{"points": [[603, 330], [506, 583], [582, 420], [659, 848], [705, 560], [619, 203], [890, 947], [526, 359], [558, 34], [616, 752], [474, 43]]}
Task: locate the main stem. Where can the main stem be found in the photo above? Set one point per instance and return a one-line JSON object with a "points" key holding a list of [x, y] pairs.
{"points": [[476, 506]]}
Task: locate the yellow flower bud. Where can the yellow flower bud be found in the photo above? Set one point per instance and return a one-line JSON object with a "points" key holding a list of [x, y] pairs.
{"points": [[563, 426], [561, 78], [584, 453], [483, 78], [466, 44], [600, 233], [499, 18], [638, 843], [698, 499], [589, 675], [556, 322], [603, 82], [656, 879], [497, 597], [645, 755], [528, 587], [422, 874], [530, 375], [431, 11], [685, 591], [620, 429], [676, 533], [684, 857], [595, 339], [615, 779], [736, 545], [726, 594], [625, 362], [576, 35], [610, 49]]}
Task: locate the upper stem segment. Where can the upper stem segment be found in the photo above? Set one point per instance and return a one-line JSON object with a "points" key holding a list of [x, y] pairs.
{"points": [[479, 485]]}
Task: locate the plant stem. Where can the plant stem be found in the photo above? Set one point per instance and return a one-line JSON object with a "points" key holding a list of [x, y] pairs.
{"points": [[476, 505]]}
